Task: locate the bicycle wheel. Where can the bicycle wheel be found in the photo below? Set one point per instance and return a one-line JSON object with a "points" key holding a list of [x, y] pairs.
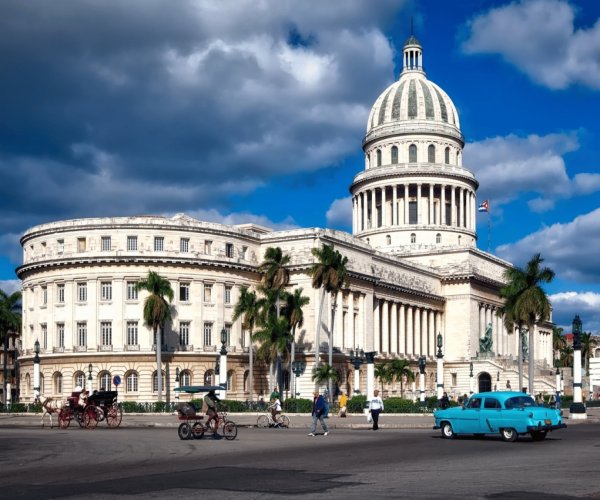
{"points": [[262, 422], [63, 418], [198, 430], [229, 430], [283, 421], [114, 416], [185, 431], [90, 417]]}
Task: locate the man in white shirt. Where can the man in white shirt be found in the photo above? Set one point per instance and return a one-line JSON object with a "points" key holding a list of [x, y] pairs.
{"points": [[375, 408]]}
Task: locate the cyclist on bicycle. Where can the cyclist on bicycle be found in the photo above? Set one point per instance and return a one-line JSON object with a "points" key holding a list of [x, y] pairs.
{"points": [[275, 408], [211, 400]]}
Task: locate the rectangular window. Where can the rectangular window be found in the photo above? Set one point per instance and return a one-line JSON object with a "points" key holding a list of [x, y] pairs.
{"points": [[81, 245], [60, 246], [207, 333], [106, 290], [131, 243], [184, 245], [229, 250], [184, 333], [227, 297], [184, 292], [60, 334], [60, 293], [207, 293], [44, 336], [106, 333], [132, 292], [412, 212], [43, 248], [207, 247], [159, 244], [227, 328], [132, 333], [82, 292], [44, 295], [105, 244], [132, 382], [82, 334]]}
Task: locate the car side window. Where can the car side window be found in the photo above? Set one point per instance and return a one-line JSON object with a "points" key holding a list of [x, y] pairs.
{"points": [[474, 403], [491, 403]]}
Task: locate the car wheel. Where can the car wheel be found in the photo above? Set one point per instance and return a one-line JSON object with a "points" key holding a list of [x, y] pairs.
{"points": [[538, 435], [447, 431], [508, 434]]}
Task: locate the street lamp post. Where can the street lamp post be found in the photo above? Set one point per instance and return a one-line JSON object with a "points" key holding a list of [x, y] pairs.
{"points": [[89, 379], [223, 363], [297, 368], [440, 367], [36, 370], [471, 377], [370, 358], [422, 364], [357, 358], [177, 384], [577, 409]]}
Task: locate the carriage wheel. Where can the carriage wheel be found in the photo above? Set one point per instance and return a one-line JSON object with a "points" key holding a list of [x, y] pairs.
{"points": [[90, 417], [78, 415], [114, 416], [63, 418], [229, 430], [185, 431], [198, 430]]}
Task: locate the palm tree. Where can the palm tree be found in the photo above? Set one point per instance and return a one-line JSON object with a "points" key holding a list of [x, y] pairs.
{"points": [[558, 342], [528, 303], [248, 307], [325, 373], [274, 338], [295, 316], [399, 371], [382, 373], [157, 312], [566, 356], [588, 344], [10, 323], [329, 275]]}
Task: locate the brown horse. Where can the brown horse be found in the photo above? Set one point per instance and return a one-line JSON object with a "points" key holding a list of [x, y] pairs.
{"points": [[50, 407]]}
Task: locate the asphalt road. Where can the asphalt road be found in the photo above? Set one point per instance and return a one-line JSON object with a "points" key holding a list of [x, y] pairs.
{"points": [[275, 463]]}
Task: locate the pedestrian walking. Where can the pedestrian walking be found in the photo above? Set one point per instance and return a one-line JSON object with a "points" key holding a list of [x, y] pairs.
{"points": [[343, 403], [318, 411], [375, 408]]}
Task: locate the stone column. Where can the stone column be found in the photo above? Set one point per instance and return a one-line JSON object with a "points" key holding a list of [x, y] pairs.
{"points": [[376, 326], [385, 328], [365, 210], [409, 330], [431, 349], [443, 220], [354, 215], [349, 337], [394, 205], [431, 217], [419, 210], [394, 327], [406, 191], [370, 374], [417, 326], [453, 221], [373, 208], [383, 207], [402, 330]]}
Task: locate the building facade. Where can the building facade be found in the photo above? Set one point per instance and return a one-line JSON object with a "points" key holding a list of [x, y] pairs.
{"points": [[414, 272]]}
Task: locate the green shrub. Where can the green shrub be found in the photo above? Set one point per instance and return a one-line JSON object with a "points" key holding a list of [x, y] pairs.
{"points": [[399, 405], [132, 407], [356, 404], [297, 405]]}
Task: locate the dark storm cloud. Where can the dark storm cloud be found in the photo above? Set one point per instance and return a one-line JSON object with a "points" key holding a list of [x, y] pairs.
{"points": [[112, 107]]}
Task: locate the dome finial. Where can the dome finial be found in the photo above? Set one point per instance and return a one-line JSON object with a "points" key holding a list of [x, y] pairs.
{"points": [[412, 53]]}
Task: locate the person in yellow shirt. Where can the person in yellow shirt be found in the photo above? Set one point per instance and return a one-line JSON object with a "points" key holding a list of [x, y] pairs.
{"points": [[343, 403]]}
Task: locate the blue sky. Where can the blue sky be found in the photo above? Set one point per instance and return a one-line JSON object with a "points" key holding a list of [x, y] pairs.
{"points": [[255, 111]]}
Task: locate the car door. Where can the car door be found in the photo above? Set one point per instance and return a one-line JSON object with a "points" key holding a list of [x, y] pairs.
{"points": [[490, 415], [468, 422]]}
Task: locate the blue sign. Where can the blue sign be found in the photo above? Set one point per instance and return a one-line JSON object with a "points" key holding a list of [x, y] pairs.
{"points": [[117, 380]]}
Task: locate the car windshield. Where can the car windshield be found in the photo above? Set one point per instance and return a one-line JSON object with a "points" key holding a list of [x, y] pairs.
{"points": [[519, 402]]}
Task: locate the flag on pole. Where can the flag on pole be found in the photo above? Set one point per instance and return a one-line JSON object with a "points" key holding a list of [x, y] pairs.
{"points": [[484, 206]]}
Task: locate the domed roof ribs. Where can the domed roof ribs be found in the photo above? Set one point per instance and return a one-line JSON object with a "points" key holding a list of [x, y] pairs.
{"points": [[412, 100], [429, 111], [442, 106], [397, 101], [383, 108]]}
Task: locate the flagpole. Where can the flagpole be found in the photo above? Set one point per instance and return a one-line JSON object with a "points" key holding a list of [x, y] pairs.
{"points": [[489, 232]]}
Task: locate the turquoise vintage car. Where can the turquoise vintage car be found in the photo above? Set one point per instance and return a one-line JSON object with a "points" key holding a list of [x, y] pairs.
{"points": [[509, 414]]}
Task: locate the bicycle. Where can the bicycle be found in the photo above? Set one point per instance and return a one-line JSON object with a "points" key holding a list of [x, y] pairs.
{"points": [[218, 426], [266, 420]]}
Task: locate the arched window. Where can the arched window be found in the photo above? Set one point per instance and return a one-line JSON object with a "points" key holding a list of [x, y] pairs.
{"points": [[457, 158], [379, 157], [431, 153], [79, 380], [58, 385], [185, 378], [388, 239], [438, 238], [412, 153], [155, 381], [447, 156], [131, 382], [413, 238], [394, 155], [230, 380], [209, 377], [105, 382]]}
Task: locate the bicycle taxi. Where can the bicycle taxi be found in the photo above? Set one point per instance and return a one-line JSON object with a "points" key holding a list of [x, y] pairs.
{"points": [[192, 425]]}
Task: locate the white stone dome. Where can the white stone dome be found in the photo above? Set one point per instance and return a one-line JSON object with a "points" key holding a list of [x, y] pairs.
{"points": [[413, 104]]}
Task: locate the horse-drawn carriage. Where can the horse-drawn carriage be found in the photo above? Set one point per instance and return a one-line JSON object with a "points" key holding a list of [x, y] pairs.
{"points": [[89, 410], [192, 425]]}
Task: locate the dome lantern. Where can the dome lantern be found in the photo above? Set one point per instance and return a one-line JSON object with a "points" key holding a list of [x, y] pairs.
{"points": [[412, 55]]}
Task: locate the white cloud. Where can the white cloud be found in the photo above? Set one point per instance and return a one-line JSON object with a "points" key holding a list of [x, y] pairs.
{"points": [[340, 213], [508, 167], [571, 249], [212, 215], [10, 286], [539, 38], [567, 304]]}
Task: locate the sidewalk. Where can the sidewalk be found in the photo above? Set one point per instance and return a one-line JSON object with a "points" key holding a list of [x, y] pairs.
{"points": [[302, 421]]}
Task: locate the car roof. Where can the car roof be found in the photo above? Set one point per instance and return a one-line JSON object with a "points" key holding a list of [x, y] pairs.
{"points": [[500, 394]]}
